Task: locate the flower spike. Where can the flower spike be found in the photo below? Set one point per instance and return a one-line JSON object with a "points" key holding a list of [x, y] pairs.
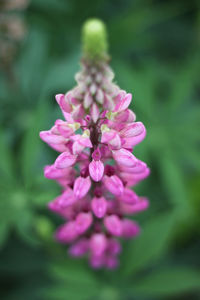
{"points": [[96, 168]]}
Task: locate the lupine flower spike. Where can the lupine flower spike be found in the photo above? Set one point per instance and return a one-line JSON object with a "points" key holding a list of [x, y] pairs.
{"points": [[97, 135]]}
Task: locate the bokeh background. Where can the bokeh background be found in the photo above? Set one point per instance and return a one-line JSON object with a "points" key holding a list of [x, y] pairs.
{"points": [[155, 49]]}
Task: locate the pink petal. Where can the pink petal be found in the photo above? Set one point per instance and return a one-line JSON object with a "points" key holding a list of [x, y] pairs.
{"points": [[64, 160], [81, 186], [97, 262], [79, 248], [77, 148], [88, 99], [130, 228], [113, 225], [83, 222], [113, 184], [67, 198], [66, 233], [111, 262], [63, 102], [124, 157], [99, 207], [94, 111], [113, 247], [96, 169], [85, 141], [51, 172], [98, 244], [64, 129], [132, 130], [141, 205], [129, 196], [50, 138], [123, 104]]}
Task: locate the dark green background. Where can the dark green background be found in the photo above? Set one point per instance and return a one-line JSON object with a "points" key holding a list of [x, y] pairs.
{"points": [[155, 55]]}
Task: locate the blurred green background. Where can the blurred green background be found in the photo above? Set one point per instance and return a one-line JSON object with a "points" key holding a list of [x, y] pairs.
{"points": [[155, 48]]}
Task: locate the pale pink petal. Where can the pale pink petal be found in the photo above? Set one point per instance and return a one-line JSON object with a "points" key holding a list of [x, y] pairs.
{"points": [[88, 99], [124, 157], [94, 111], [63, 102], [124, 103], [132, 130], [81, 186], [64, 160], [99, 96], [50, 138], [77, 148]]}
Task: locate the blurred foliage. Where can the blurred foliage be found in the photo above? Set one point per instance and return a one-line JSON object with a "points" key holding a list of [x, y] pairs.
{"points": [[155, 54]]}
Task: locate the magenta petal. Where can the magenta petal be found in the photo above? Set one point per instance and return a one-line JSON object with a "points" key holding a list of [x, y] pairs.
{"points": [[113, 184], [97, 262], [111, 262], [67, 198], [99, 206], [64, 160], [96, 169], [83, 222], [81, 186], [130, 228], [113, 247], [79, 248], [129, 196], [113, 225], [51, 172], [66, 233], [98, 244]]}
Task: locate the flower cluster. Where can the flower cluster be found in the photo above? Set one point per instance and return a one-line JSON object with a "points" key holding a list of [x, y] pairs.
{"points": [[96, 167]]}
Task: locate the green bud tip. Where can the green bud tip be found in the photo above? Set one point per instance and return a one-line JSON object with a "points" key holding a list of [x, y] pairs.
{"points": [[94, 39]]}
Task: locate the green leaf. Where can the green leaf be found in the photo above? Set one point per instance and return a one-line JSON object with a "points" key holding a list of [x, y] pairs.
{"points": [[4, 230], [150, 245], [75, 281], [6, 162], [167, 282], [31, 150]]}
